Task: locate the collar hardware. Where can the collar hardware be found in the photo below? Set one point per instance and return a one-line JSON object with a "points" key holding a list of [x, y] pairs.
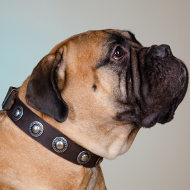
{"points": [[17, 113], [60, 144], [36, 129], [9, 98]]}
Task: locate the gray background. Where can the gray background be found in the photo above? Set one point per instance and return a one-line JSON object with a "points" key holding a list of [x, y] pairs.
{"points": [[159, 158]]}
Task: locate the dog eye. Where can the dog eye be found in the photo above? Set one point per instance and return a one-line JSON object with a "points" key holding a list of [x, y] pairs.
{"points": [[118, 53]]}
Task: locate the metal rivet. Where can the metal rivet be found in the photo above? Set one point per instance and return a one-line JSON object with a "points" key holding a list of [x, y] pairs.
{"points": [[36, 129], [83, 157], [17, 113], [59, 144]]}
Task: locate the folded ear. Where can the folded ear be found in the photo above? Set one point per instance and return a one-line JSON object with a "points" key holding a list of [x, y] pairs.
{"points": [[43, 92]]}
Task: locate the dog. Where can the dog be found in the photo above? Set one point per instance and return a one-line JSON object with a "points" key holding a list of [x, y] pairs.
{"points": [[98, 88]]}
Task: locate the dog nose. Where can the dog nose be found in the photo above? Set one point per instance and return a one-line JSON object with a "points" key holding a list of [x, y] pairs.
{"points": [[161, 51]]}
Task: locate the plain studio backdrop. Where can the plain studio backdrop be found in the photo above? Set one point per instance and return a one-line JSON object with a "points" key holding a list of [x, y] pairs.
{"points": [[159, 157]]}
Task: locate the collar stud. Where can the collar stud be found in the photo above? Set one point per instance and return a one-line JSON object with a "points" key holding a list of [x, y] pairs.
{"points": [[83, 157], [36, 129], [17, 113], [59, 144]]}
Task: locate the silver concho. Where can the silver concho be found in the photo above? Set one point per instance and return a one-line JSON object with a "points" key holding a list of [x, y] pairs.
{"points": [[59, 144], [83, 157], [17, 113], [36, 129]]}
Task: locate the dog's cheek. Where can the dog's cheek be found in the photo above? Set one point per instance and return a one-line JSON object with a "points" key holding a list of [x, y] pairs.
{"points": [[107, 81]]}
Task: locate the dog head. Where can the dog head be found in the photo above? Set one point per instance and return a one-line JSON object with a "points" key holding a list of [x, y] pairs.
{"points": [[108, 76]]}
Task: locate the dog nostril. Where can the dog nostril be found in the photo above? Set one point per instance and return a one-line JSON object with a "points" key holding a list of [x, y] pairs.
{"points": [[167, 50], [161, 51]]}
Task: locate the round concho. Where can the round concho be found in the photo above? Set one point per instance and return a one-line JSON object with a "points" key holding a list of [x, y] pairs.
{"points": [[17, 113], [83, 157], [36, 129], [59, 144]]}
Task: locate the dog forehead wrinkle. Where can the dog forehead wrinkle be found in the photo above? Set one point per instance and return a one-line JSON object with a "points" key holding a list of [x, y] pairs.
{"points": [[117, 38], [128, 36]]}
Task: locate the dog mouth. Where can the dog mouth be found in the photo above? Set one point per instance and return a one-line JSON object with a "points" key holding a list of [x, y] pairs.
{"points": [[157, 84]]}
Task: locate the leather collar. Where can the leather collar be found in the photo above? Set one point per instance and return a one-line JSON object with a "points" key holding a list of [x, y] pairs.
{"points": [[45, 134]]}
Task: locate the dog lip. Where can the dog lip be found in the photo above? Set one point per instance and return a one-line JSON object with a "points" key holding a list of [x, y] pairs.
{"points": [[168, 79]]}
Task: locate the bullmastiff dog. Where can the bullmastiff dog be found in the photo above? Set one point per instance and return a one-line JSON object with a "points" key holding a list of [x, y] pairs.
{"points": [[84, 101]]}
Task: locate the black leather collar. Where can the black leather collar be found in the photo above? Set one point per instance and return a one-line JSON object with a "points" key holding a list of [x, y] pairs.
{"points": [[45, 134]]}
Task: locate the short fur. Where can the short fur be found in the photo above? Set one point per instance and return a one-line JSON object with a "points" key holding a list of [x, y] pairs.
{"points": [[98, 88]]}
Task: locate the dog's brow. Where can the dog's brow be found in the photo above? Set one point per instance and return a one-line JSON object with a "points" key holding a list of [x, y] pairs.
{"points": [[116, 37]]}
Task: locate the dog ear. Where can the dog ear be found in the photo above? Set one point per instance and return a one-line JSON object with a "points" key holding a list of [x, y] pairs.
{"points": [[43, 92]]}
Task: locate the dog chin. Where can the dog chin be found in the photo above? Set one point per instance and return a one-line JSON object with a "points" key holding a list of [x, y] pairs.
{"points": [[122, 144]]}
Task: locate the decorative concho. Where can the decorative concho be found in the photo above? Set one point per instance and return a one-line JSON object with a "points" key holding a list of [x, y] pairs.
{"points": [[83, 157], [59, 144], [17, 113], [36, 129]]}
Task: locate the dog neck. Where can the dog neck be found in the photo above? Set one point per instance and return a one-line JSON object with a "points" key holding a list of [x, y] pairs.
{"points": [[41, 169], [86, 178], [107, 140]]}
